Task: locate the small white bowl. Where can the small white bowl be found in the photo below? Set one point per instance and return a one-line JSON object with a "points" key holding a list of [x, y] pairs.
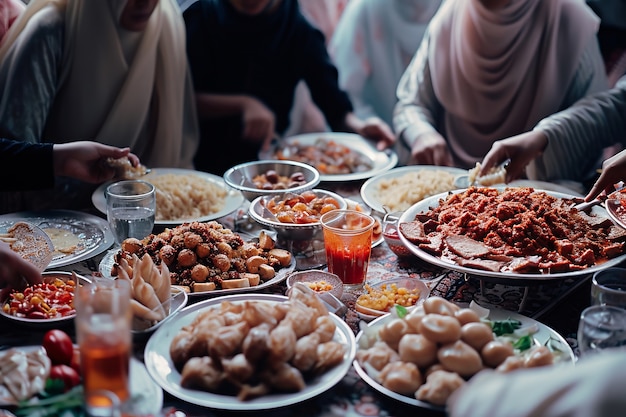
{"points": [[366, 313], [312, 276]]}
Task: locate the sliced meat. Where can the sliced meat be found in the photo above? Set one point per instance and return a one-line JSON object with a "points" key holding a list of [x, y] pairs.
{"points": [[466, 247], [484, 264], [414, 232], [523, 265], [434, 247], [596, 222]]}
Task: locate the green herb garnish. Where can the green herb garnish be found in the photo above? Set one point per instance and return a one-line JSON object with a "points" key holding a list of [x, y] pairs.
{"points": [[523, 343], [401, 311], [508, 326]]}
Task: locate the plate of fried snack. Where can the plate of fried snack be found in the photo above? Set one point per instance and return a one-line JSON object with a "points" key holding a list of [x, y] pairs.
{"points": [[424, 367], [251, 351], [206, 258]]}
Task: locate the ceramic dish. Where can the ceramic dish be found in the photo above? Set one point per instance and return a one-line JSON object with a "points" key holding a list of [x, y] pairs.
{"points": [[146, 395], [369, 314], [31, 243], [379, 161], [290, 231], [233, 199], [316, 276], [544, 336], [92, 234], [240, 177], [370, 190], [432, 202], [107, 262], [617, 211], [48, 277], [161, 368]]}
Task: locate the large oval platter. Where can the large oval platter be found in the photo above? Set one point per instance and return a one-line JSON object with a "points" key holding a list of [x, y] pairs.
{"points": [[162, 369], [234, 198], [380, 161], [432, 202], [544, 335], [107, 262]]}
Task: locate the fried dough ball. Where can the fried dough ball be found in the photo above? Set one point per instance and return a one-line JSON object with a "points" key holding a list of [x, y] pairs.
{"points": [[186, 257], [222, 262], [439, 305], [476, 334], [440, 328], [438, 387], [416, 348], [377, 356], [460, 357], [401, 377], [168, 254], [199, 273], [131, 245], [510, 364], [495, 352], [203, 250], [192, 240], [392, 332], [466, 315]]}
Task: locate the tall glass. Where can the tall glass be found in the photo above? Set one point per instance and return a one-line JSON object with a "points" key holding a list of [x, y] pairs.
{"points": [[601, 327], [608, 287], [131, 207], [348, 244], [103, 331]]}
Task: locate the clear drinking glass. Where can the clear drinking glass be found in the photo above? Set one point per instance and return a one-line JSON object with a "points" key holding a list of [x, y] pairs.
{"points": [[601, 327], [348, 243], [103, 331], [608, 287], [131, 207]]}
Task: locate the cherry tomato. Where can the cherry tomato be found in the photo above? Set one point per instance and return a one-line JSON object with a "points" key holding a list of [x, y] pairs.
{"points": [[67, 374], [59, 347]]}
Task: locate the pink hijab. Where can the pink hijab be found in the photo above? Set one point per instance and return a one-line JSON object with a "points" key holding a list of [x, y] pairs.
{"points": [[497, 73], [9, 11]]}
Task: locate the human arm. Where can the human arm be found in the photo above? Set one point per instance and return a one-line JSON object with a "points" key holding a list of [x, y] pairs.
{"points": [[258, 119], [417, 113], [28, 77], [613, 171]]}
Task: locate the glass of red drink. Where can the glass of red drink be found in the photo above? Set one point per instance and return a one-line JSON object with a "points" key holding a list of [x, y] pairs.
{"points": [[348, 244], [103, 331]]}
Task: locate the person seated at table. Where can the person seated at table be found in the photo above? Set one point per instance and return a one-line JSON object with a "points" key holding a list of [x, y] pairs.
{"points": [[30, 166], [489, 69], [114, 71], [9, 11], [14, 270], [246, 58], [560, 144], [593, 387], [372, 47]]}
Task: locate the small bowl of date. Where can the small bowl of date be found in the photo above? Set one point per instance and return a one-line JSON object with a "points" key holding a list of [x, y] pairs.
{"points": [[260, 178], [47, 304]]}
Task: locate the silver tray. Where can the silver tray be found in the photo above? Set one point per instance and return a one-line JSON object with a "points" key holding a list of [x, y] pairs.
{"points": [[432, 202], [93, 231], [380, 161]]}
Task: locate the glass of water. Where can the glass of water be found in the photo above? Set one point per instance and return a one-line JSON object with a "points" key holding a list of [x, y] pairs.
{"points": [[601, 327], [131, 206]]}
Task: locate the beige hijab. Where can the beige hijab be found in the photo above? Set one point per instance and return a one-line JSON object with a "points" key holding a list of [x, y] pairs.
{"points": [[497, 73], [119, 87]]}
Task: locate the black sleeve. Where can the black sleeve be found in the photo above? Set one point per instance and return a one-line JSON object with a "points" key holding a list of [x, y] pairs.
{"points": [[25, 166], [322, 78]]}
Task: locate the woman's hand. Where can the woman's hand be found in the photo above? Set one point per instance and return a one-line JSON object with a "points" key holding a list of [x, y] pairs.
{"points": [[613, 171], [520, 149], [258, 122], [431, 149]]}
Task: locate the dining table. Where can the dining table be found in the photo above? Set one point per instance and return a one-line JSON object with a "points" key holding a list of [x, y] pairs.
{"points": [[557, 302]]}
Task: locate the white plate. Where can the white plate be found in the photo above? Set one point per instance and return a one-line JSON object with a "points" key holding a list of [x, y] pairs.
{"points": [[544, 334], [162, 369], [94, 232], [369, 189], [432, 202], [616, 211], [146, 395], [107, 262], [380, 161], [233, 201]]}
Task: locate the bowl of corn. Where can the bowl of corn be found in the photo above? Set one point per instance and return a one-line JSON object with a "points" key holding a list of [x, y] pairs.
{"points": [[380, 297]]}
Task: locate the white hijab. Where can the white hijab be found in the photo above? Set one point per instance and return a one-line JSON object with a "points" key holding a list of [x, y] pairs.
{"points": [[497, 73], [144, 102]]}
